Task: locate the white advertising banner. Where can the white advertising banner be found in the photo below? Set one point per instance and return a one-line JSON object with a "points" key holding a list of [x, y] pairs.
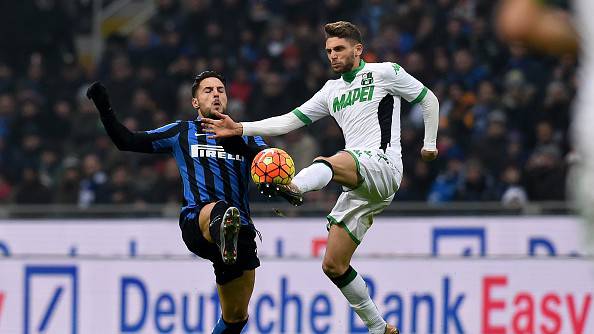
{"points": [[431, 295], [306, 237]]}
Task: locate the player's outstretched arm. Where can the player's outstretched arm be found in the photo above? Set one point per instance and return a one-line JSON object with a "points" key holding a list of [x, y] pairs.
{"points": [[430, 106], [124, 139], [225, 126]]}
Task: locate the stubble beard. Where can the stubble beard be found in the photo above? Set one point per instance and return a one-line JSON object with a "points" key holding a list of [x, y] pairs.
{"points": [[208, 113], [348, 66]]}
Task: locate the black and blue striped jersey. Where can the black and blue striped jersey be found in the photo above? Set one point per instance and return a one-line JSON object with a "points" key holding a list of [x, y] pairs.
{"points": [[210, 169]]}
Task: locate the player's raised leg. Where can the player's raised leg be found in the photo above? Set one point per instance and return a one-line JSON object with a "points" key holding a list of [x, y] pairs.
{"points": [[343, 167], [340, 168], [220, 224]]}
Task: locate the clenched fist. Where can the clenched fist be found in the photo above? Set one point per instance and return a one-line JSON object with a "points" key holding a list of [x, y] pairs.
{"points": [[98, 94], [428, 155]]}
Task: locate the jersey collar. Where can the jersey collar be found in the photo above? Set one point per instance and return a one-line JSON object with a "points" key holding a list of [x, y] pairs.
{"points": [[350, 76]]}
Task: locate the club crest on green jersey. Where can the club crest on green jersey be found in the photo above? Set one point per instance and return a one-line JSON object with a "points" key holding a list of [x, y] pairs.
{"points": [[367, 79]]}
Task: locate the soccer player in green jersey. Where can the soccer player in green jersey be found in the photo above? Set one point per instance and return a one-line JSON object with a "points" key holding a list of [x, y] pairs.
{"points": [[365, 102]]}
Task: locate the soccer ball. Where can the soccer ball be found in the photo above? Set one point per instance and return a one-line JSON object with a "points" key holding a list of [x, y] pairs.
{"points": [[273, 165]]}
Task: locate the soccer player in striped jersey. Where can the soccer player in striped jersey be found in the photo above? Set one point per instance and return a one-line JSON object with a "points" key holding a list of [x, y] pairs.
{"points": [[215, 218], [365, 102]]}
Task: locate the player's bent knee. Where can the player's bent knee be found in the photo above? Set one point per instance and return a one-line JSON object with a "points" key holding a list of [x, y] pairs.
{"points": [[333, 160], [324, 160], [339, 162], [333, 269], [344, 168]]}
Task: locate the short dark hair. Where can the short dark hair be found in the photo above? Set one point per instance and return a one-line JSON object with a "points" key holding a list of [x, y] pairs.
{"points": [[343, 29], [203, 75]]}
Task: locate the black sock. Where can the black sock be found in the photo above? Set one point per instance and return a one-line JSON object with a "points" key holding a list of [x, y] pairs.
{"points": [[216, 217], [346, 278], [234, 327]]}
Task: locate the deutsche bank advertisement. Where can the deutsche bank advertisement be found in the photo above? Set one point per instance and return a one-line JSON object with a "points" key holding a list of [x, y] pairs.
{"points": [[426, 275], [420, 296]]}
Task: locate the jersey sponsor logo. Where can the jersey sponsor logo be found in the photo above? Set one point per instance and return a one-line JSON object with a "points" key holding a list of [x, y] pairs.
{"points": [[360, 94], [212, 151]]}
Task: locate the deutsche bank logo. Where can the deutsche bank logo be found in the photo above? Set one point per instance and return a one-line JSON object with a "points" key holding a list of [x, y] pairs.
{"points": [[465, 241], [51, 299]]}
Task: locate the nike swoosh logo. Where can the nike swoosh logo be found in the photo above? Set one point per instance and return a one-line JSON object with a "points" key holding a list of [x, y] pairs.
{"points": [[201, 134]]}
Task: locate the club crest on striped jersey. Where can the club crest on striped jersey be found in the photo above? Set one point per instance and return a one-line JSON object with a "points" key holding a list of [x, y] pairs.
{"points": [[212, 151]]}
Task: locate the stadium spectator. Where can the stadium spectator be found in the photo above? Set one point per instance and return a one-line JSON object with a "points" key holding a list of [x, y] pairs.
{"points": [[31, 190], [545, 174], [92, 184], [511, 192], [67, 190], [500, 104]]}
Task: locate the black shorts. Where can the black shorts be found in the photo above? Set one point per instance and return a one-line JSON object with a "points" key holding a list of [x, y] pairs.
{"points": [[247, 256]]}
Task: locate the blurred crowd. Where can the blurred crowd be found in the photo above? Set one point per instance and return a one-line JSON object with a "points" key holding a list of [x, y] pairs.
{"points": [[504, 111]]}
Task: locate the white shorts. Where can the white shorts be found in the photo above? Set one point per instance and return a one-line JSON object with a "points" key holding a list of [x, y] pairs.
{"points": [[380, 178]]}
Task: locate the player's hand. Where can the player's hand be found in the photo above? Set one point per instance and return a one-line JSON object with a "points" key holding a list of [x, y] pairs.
{"points": [[222, 127], [428, 155], [98, 94]]}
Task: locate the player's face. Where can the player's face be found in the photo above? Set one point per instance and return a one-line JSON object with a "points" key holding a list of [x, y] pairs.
{"points": [[342, 54], [210, 95]]}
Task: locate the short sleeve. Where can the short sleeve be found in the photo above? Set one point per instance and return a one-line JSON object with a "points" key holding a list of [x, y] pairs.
{"points": [[314, 109], [400, 83]]}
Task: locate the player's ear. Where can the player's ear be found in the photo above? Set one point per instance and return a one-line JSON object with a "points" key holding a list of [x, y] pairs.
{"points": [[195, 103], [358, 49]]}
